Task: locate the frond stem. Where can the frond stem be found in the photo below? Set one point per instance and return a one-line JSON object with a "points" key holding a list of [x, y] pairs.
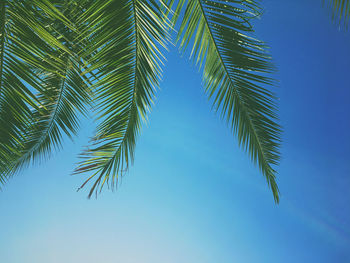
{"points": [[133, 102]]}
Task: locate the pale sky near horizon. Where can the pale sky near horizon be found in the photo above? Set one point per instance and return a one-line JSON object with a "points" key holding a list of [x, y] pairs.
{"points": [[192, 195]]}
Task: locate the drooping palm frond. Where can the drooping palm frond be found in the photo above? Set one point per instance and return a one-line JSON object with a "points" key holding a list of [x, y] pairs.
{"points": [[22, 51], [341, 10], [234, 69], [126, 37], [41, 84]]}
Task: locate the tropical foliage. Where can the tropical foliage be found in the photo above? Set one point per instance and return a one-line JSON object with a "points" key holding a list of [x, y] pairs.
{"points": [[341, 10], [61, 60]]}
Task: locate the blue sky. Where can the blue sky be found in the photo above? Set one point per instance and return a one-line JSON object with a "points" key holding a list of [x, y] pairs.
{"points": [[192, 194]]}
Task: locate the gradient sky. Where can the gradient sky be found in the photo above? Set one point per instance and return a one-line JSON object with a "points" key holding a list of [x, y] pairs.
{"points": [[192, 194]]}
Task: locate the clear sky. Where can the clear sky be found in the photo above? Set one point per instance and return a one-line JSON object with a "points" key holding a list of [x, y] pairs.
{"points": [[192, 194]]}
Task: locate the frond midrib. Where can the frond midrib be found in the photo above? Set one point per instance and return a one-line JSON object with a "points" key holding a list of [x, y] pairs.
{"points": [[133, 102]]}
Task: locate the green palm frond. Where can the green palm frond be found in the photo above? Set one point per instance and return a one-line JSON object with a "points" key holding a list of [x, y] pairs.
{"points": [[126, 37], [234, 69], [341, 10], [41, 83]]}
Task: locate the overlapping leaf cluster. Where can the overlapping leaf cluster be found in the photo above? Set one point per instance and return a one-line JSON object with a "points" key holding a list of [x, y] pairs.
{"points": [[41, 87], [60, 59]]}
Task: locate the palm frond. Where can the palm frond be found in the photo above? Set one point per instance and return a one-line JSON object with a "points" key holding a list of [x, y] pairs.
{"points": [[41, 84], [126, 37], [234, 71], [341, 10]]}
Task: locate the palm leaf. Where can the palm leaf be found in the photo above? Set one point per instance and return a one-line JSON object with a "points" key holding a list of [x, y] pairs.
{"points": [[234, 71], [41, 83], [341, 10], [126, 37]]}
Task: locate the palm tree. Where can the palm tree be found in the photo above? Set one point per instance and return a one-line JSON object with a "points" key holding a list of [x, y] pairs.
{"points": [[61, 59]]}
